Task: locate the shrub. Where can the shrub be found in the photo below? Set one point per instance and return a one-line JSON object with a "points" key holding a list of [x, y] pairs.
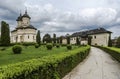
{"points": [[69, 47], [36, 45], [2, 49], [49, 46], [17, 49], [48, 67], [63, 44], [57, 45], [28, 43]]}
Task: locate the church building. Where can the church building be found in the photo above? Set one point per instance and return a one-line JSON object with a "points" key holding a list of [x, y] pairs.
{"points": [[24, 32]]}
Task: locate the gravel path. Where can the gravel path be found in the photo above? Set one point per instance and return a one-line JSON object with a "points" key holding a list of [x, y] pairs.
{"points": [[98, 65]]}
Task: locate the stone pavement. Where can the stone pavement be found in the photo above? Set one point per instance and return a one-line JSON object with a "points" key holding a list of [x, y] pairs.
{"points": [[98, 65]]}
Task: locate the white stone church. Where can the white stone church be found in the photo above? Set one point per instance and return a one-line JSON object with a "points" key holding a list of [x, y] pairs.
{"points": [[24, 32]]}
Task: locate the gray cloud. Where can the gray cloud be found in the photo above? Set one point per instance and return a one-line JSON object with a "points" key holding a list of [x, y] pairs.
{"points": [[48, 17]]}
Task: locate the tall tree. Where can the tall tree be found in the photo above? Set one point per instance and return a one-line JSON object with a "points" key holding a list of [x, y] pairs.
{"points": [[38, 38], [47, 38], [89, 40], [0, 40], [5, 34], [110, 41], [68, 38], [61, 38], [54, 38], [58, 40], [118, 42], [77, 41]]}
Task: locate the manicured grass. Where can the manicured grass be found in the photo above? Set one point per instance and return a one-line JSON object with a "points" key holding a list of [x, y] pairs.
{"points": [[29, 52], [115, 49]]}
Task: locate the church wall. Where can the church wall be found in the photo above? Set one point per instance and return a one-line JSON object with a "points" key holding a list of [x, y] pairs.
{"points": [[26, 35]]}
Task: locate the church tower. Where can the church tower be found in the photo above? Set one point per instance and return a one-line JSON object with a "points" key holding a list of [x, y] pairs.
{"points": [[24, 31], [19, 20], [26, 19]]}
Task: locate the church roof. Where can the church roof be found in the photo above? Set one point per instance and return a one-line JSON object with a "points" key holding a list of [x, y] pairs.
{"points": [[19, 18], [30, 27], [90, 32], [26, 15]]}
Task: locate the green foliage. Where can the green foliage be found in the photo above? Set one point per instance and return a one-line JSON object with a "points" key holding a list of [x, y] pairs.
{"points": [[77, 41], [60, 39], [36, 45], [63, 44], [49, 46], [17, 49], [89, 40], [57, 45], [49, 67], [26, 43], [54, 38], [110, 42], [68, 39], [114, 52], [0, 40], [38, 38], [47, 38], [2, 49], [69, 47], [27, 53], [5, 34], [118, 42]]}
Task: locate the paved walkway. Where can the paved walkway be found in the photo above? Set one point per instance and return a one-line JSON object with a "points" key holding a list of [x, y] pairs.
{"points": [[98, 65]]}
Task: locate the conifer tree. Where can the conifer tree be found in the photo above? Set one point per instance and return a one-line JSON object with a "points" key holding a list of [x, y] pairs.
{"points": [[5, 34], [60, 39], [68, 39], [109, 41], [54, 38], [89, 40], [38, 38], [118, 42], [77, 41]]}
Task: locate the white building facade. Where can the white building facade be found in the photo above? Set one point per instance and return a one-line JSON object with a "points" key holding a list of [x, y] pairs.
{"points": [[98, 36], [24, 32]]}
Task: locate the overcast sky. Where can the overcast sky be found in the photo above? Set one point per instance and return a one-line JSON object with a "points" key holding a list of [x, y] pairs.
{"points": [[64, 16]]}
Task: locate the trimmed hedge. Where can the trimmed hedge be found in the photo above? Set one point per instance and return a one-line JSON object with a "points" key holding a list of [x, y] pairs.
{"points": [[112, 52], [49, 46], [47, 67], [69, 47], [17, 49], [36, 45]]}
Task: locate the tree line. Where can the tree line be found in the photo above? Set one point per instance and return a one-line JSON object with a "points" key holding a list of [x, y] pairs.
{"points": [[5, 37]]}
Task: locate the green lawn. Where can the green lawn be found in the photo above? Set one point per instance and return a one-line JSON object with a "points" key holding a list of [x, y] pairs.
{"points": [[115, 49], [30, 52]]}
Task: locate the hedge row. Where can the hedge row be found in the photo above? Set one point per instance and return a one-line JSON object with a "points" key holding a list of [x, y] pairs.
{"points": [[49, 67], [112, 52]]}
